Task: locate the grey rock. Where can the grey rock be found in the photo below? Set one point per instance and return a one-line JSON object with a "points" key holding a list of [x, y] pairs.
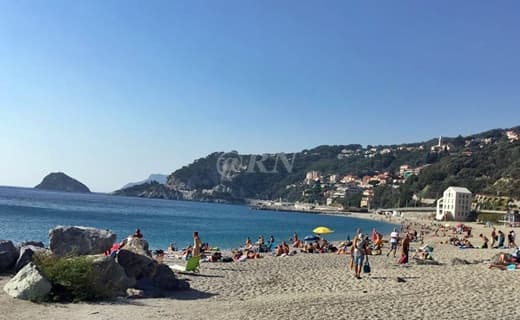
{"points": [[134, 293], [137, 245], [28, 284], [136, 265], [32, 243], [147, 286], [164, 279], [26, 256], [8, 255], [111, 277], [80, 240]]}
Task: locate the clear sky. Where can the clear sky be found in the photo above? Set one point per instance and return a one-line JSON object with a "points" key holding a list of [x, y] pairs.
{"points": [[111, 91]]}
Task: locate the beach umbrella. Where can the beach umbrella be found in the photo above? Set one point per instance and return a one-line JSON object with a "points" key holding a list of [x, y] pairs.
{"points": [[322, 230], [310, 238]]}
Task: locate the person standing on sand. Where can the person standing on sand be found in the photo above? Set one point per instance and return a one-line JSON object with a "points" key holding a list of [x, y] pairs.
{"points": [[511, 239], [404, 250], [359, 247], [494, 238], [485, 240], [501, 239], [196, 244], [394, 240], [358, 230]]}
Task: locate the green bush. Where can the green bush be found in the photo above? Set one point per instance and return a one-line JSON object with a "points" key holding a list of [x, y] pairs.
{"points": [[73, 278]]}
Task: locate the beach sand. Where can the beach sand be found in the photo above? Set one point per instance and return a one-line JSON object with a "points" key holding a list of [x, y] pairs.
{"points": [[316, 286]]}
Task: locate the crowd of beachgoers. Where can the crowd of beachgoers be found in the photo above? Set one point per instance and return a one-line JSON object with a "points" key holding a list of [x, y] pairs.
{"points": [[415, 265], [397, 245]]}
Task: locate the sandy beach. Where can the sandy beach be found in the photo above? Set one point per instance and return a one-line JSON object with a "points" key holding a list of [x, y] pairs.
{"points": [[317, 286]]}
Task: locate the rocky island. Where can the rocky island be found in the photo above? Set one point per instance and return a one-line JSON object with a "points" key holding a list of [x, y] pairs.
{"points": [[59, 181]]}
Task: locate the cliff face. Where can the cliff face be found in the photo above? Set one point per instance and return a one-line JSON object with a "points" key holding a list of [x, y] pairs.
{"points": [[160, 178], [58, 181], [150, 190]]}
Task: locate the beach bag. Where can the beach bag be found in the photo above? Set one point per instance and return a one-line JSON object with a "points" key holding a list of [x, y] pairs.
{"points": [[366, 267]]}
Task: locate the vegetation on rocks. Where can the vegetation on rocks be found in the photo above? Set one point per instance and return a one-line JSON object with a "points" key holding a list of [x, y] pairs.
{"points": [[73, 278]]}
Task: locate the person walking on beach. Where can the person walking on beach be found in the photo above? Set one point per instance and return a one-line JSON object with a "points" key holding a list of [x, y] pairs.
{"points": [[485, 239], [511, 239], [501, 239], [352, 262], [359, 246], [197, 244], [404, 250], [494, 238], [394, 240]]}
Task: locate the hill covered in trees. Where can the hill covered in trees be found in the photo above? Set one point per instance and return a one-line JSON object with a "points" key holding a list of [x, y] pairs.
{"points": [[488, 162]]}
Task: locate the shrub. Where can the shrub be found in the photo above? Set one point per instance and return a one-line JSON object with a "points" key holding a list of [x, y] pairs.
{"points": [[72, 277]]}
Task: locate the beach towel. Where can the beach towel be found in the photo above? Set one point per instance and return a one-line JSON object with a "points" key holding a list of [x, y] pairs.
{"points": [[192, 265]]}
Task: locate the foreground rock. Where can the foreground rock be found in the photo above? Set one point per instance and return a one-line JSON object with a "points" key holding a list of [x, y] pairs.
{"points": [[32, 243], [136, 259], [164, 279], [80, 240], [26, 256], [8, 255], [28, 284], [153, 279], [111, 276]]}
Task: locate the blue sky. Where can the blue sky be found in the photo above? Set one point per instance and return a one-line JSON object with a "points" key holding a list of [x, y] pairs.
{"points": [[111, 91]]}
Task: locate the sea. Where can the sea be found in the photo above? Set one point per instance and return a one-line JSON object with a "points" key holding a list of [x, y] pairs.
{"points": [[29, 214]]}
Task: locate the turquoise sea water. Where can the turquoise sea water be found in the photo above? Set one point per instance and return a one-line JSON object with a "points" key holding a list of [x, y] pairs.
{"points": [[28, 214]]}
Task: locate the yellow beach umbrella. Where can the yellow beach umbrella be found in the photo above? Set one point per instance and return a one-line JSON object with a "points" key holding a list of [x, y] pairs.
{"points": [[322, 230]]}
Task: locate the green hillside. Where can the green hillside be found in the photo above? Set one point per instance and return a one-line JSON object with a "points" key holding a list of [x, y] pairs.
{"points": [[488, 162]]}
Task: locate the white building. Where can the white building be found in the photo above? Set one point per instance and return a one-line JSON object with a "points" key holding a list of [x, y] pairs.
{"points": [[455, 204]]}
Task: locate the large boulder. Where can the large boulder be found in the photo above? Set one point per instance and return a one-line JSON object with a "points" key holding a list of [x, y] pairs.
{"points": [[80, 240], [135, 257], [8, 255], [137, 245], [26, 256], [164, 279], [32, 243], [111, 277], [28, 284], [153, 279], [136, 265]]}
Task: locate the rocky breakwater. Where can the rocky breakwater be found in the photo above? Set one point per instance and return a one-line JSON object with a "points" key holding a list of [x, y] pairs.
{"points": [[75, 268]]}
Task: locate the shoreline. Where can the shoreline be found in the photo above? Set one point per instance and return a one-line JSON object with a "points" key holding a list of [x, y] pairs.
{"points": [[316, 286]]}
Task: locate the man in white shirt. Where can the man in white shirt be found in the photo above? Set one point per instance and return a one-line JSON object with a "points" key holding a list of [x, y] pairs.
{"points": [[394, 240]]}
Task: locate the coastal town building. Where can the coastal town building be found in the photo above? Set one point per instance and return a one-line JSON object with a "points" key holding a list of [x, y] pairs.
{"points": [[366, 200], [455, 204], [440, 147], [512, 136], [407, 171], [312, 177]]}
